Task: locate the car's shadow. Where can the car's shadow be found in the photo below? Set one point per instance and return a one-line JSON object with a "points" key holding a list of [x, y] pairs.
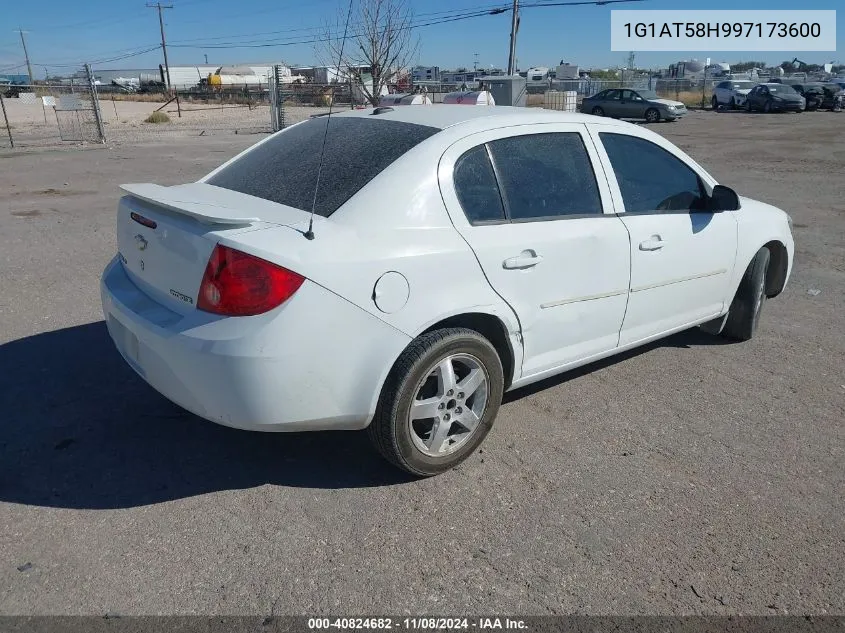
{"points": [[78, 429]]}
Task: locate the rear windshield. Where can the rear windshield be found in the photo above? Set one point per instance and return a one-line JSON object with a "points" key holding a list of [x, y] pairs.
{"points": [[284, 169]]}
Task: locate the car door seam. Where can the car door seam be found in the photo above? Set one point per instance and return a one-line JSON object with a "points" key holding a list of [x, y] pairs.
{"points": [[595, 140]]}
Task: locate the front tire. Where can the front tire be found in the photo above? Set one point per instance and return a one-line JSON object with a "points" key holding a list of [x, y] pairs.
{"points": [[439, 401], [598, 111], [744, 313], [714, 102], [767, 107], [652, 115]]}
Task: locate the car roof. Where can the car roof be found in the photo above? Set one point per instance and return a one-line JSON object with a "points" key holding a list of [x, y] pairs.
{"points": [[444, 116]]}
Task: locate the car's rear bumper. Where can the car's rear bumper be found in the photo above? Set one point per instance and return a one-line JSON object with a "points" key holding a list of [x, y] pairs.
{"points": [[316, 362]]}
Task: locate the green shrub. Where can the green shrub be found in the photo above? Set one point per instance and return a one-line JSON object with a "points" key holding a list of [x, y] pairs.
{"points": [[157, 117]]}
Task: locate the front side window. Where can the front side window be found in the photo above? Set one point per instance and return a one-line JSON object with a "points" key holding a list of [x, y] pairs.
{"points": [[650, 178], [545, 176]]}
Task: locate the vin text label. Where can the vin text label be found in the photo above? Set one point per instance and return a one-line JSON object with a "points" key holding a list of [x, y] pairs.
{"points": [[710, 31]]}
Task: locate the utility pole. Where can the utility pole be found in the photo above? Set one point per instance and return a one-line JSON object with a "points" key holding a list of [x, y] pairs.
{"points": [[26, 54], [514, 28], [160, 6]]}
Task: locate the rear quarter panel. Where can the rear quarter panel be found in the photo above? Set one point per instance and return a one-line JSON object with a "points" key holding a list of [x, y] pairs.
{"points": [[398, 222]]}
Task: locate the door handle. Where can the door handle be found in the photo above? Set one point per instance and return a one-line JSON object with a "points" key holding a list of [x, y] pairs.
{"points": [[654, 243], [526, 259]]}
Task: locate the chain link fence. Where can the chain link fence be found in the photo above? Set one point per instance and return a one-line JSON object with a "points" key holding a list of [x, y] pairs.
{"points": [[83, 112], [44, 114]]}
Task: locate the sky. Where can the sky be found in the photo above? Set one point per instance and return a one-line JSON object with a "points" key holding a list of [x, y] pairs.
{"points": [[61, 34]]}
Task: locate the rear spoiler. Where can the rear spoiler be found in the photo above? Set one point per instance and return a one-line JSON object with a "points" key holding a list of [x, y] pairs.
{"points": [[202, 202]]}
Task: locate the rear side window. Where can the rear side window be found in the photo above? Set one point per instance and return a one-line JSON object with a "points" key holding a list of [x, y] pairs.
{"points": [[546, 176], [650, 178], [284, 169], [475, 184]]}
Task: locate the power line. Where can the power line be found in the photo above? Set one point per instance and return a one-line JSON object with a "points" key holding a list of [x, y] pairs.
{"points": [[7, 68], [466, 14], [452, 15], [331, 36], [135, 53], [462, 11]]}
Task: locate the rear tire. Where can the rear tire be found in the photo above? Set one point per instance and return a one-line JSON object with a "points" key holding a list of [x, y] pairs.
{"points": [[744, 313], [413, 443]]}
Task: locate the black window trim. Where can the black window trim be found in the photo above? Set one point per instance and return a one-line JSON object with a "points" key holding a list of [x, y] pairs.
{"points": [[620, 214], [546, 218], [506, 207]]}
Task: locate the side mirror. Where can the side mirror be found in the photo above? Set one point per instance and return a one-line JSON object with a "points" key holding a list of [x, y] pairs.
{"points": [[724, 199]]}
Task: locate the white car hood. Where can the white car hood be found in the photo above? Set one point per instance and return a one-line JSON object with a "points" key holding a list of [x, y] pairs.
{"points": [[667, 102], [744, 91]]}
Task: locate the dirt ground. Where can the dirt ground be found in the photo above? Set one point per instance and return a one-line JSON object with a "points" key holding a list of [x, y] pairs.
{"points": [[124, 121], [692, 476]]}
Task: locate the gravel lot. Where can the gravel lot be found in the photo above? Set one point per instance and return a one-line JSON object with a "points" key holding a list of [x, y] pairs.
{"points": [[123, 121], [693, 476]]}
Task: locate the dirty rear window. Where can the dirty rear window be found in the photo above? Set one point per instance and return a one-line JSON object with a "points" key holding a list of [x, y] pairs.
{"points": [[284, 169]]}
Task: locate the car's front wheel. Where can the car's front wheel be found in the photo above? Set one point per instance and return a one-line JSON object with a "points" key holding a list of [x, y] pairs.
{"points": [[439, 401], [744, 313], [714, 102], [598, 111], [652, 115]]}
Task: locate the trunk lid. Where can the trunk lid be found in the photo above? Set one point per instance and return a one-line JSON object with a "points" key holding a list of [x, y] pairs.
{"points": [[165, 235]]}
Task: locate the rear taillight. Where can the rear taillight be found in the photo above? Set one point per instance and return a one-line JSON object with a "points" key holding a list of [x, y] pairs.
{"points": [[237, 284]]}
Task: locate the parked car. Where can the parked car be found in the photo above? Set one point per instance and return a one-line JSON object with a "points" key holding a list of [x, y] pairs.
{"points": [[774, 97], [453, 254], [623, 103], [821, 96], [731, 93]]}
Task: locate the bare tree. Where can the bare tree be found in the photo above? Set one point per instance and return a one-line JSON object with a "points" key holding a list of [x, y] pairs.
{"points": [[380, 43]]}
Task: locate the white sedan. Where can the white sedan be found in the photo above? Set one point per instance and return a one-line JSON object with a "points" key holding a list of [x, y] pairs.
{"points": [[456, 253], [731, 93]]}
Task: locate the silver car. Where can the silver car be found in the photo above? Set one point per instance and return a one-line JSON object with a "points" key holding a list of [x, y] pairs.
{"points": [[624, 103]]}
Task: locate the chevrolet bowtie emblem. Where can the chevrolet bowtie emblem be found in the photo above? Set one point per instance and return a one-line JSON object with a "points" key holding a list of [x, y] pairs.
{"points": [[140, 242]]}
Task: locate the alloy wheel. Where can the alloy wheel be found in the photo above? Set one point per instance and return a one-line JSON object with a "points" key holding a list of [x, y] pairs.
{"points": [[448, 405]]}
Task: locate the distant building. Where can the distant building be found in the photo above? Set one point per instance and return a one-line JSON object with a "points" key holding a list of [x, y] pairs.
{"points": [[425, 73], [566, 70]]}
